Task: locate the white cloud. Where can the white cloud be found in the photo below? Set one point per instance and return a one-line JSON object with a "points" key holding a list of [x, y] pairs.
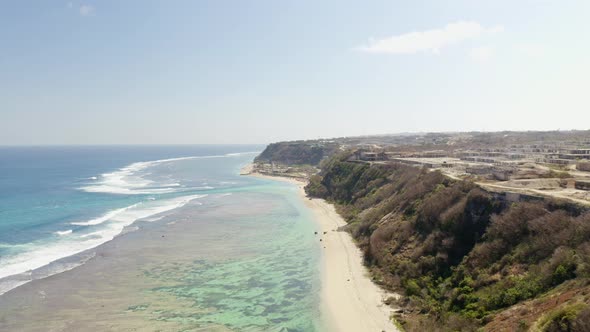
{"points": [[430, 40], [482, 53], [86, 10]]}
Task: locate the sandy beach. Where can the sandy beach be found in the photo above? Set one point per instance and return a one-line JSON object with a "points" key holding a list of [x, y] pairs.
{"points": [[350, 301]]}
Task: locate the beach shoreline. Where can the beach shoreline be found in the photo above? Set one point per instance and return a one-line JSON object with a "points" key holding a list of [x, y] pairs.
{"points": [[349, 300]]}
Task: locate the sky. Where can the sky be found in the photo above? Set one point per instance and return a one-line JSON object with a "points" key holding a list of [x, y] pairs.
{"points": [[218, 71]]}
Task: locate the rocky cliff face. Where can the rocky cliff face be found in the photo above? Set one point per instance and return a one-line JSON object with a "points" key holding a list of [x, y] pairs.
{"points": [[297, 153]]}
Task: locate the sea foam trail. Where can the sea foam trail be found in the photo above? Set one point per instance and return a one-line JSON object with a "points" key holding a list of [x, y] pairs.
{"points": [[126, 180], [37, 255], [107, 216]]}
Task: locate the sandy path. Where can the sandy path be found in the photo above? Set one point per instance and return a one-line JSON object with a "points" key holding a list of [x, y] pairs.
{"points": [[349, 300]]}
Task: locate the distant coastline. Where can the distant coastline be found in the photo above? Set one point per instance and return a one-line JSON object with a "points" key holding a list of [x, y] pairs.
{"points": [[447, 219]]}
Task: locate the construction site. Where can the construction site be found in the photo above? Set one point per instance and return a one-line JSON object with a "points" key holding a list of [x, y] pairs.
{"points": [[538, 169], [532, 164]]}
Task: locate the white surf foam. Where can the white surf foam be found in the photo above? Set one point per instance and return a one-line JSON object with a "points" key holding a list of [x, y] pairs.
{"points": [[237, 154], [6, 285], [152, 219], [37, 255], [203, 188], [93, 234], [127, 191], [126, 180], [62, 233], [107, 216], [12, 282]]}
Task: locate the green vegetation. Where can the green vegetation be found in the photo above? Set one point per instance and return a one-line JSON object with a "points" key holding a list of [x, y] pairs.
{"points": [[458, 253], [572, 318]]}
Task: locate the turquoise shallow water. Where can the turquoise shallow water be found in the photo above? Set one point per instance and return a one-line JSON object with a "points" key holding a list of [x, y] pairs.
{"points": [[267, 280], [275, 288], [241, 256]]}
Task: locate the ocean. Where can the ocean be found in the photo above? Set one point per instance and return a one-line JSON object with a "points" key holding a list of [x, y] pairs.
{"points": [[163, 237]]}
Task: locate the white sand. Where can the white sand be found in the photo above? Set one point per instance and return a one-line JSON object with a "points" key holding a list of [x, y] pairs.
{"points": [[350, 301], [247, 170]]}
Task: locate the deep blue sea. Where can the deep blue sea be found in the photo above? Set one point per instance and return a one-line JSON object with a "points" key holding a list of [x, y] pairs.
{"points": [[58, 201]]}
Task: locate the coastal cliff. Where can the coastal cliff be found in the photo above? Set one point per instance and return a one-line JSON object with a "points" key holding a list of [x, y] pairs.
{"points": [[463, 257], [297, 152]]}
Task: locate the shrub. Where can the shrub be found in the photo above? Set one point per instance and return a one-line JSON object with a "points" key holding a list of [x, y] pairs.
{"points": [[562, 265], [512, 226], [563, 273], [412, 288], [567, 319]]}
